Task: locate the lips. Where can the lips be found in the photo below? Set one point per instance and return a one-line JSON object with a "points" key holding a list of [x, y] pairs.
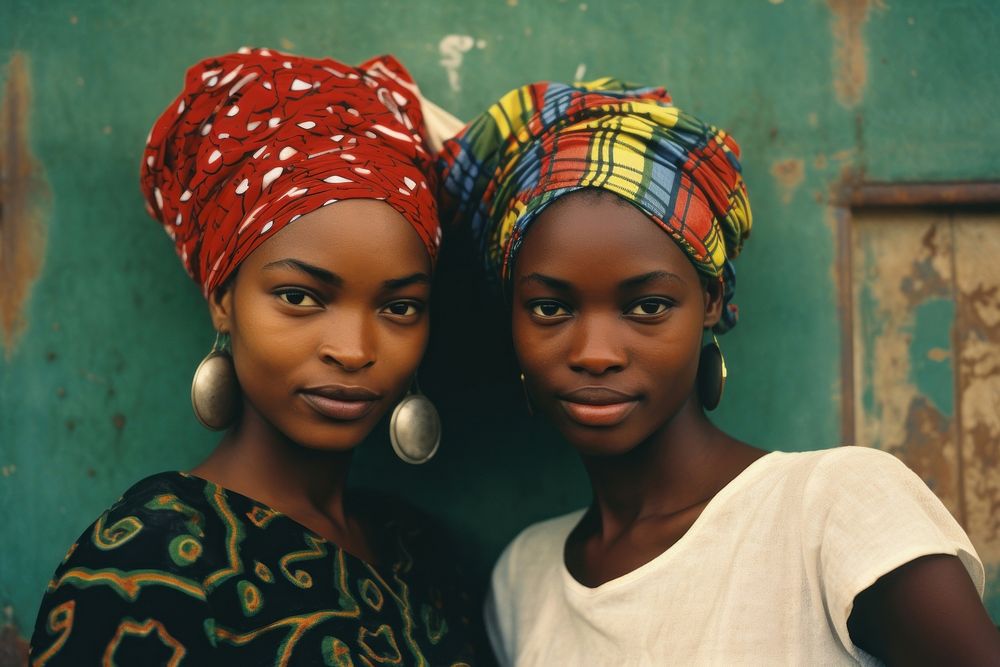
{"points": [[340, 402], [598, 406]]}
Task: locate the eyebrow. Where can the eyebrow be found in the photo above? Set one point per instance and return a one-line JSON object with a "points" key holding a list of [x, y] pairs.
{"points": [[635, 281], [548, 281], [322, 275], [333, 279], [412, 279], [650, 277]]}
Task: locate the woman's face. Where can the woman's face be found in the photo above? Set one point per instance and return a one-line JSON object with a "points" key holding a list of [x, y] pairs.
{"points": [[608, 316], [329, 321]]}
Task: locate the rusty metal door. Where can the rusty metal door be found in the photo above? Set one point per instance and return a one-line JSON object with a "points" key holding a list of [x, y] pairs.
{"points": [[926, 357]]}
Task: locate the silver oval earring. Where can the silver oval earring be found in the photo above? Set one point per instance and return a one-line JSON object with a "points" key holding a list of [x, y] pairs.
{"points": [[712, 374], [215, 390], [415, 427]]}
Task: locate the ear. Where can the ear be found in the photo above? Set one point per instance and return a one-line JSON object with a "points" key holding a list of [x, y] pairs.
{"points": [[713, 302], [220, 307]]}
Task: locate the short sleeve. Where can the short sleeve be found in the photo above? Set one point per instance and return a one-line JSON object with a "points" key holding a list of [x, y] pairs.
{"points": [[869, 514], [126, 594]]}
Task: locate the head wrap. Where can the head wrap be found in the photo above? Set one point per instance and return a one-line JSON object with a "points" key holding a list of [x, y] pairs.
{"points": [[545, 140], [259, 138]]}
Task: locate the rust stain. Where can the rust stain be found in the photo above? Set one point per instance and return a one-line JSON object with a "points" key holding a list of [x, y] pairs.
{"points": [[938, 354], [977, 342], [789, 175], [928, 277], [850, 53], [925, 449], [24, 196], [13, 647]]}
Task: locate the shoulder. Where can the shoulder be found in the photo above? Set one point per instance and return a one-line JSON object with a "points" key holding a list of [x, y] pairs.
{"points": [[827, 473], [535, 550], [159, 523], [547, 533], [840, 473], [139, 565], [855, 460], [843, 461], [527, 571]]}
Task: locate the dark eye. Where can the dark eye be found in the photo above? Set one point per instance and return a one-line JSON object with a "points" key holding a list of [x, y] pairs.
{"points": [[297, 297], [548, 309], [649, 308], [402, 309]]}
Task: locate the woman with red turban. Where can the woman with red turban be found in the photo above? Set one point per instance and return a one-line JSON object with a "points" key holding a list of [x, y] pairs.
{"points": [[299, 194]]}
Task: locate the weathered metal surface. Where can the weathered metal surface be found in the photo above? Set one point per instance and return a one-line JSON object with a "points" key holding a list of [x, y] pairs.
{"points": [[850, 55], [977, 340], [23, 199], [903, 290], [96, 393], [926, 194], [13, 647], [927, 357]]}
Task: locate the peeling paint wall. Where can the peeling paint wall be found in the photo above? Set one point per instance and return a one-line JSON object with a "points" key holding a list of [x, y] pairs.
{"points": [[850, 52], [927, 357], [94, 390], [23, 199]]}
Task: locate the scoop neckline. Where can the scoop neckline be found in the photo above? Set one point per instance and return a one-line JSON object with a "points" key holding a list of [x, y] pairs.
{"points": [[570, 582], [191, 477]]}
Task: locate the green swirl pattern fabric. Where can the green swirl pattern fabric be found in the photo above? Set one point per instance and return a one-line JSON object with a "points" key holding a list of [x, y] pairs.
{"points": [[183, 572]]}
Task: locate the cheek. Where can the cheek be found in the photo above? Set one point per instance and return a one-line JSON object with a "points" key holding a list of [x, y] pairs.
{"points": [[529, 346], [669, 357], [264, 354], [402, 348]]}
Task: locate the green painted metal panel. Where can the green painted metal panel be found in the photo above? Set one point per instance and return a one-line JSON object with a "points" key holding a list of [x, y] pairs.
{"points": [[94, 394]]}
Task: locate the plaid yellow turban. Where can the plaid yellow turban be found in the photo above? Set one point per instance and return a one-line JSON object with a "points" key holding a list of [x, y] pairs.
{"points": [[544, 140]]}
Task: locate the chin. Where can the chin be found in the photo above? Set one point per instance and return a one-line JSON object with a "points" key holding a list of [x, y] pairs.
{"points": [[601, 441], [328, 435]]}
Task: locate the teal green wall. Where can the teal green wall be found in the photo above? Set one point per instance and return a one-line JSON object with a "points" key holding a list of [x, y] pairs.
{"points": [[94, 394]]}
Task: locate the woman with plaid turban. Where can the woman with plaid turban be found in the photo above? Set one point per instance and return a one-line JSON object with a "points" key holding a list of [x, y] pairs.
{"points": [[697, 549], [299, 194]]}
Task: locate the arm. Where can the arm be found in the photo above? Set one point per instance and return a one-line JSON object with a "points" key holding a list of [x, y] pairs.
{"points": [[925, 612]]}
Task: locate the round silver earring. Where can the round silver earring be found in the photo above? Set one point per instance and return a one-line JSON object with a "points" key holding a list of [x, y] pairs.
{"points": [[215, 390], [415, 428]]}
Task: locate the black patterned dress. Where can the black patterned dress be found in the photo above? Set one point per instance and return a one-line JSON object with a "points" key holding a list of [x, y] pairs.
{"points": [[183, 572]]}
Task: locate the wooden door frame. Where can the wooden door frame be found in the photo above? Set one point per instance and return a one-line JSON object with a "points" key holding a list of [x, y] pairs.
{"points": [[855, 196]]}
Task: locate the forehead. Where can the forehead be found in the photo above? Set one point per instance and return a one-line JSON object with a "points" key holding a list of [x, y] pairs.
{"points": [[356, 234], [600, 236]]}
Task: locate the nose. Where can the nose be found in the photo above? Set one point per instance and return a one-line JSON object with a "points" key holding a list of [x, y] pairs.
{"points": [[596, 346], [349, 341]]}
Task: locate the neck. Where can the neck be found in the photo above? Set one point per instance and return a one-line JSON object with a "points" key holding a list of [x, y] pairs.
{"points": [[678, 467], [258, 461]]}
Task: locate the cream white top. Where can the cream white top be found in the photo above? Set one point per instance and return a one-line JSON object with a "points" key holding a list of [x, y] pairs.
{"points": [[766, 575]]}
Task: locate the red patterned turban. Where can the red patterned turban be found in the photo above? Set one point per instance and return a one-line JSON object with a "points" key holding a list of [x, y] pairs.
{"points": [[259, 138]]}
